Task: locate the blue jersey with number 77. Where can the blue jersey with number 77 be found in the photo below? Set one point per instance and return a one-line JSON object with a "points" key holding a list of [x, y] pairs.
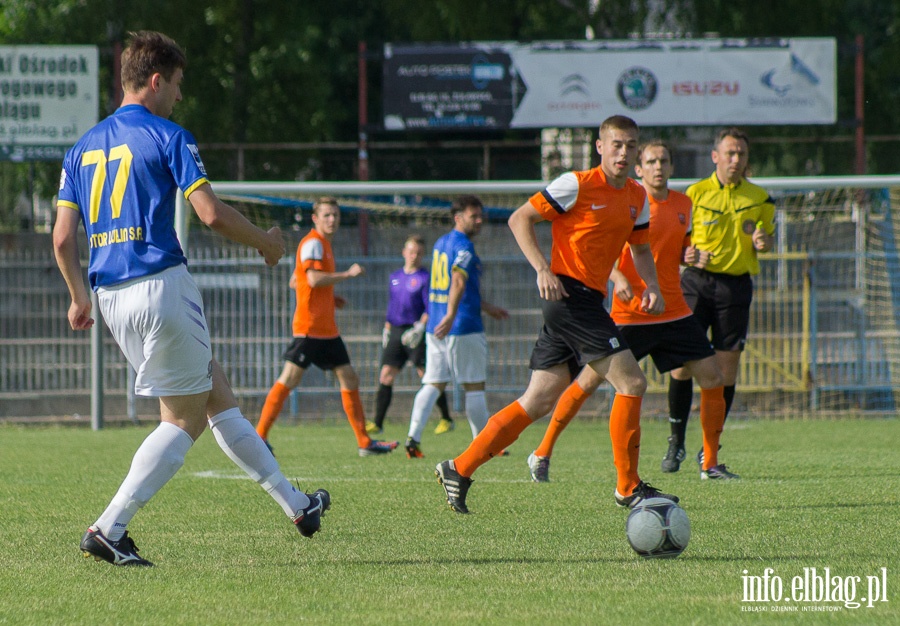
{"points": [[122, 176], [455, 252]]}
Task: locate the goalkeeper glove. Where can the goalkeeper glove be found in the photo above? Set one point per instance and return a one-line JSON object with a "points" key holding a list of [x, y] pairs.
{"points": [[385, 337], [412, 337]]}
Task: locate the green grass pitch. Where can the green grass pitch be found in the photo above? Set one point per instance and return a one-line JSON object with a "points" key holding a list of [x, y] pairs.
{"points": [[815, 494]]}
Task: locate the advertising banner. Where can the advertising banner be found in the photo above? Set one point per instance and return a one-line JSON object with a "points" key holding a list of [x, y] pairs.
{"points": [[49, 96], [693, 82]]}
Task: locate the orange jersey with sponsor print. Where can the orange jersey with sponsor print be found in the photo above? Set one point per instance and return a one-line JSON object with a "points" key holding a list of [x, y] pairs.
{"points": [[670, 232], [314, 315], [591, 222]]}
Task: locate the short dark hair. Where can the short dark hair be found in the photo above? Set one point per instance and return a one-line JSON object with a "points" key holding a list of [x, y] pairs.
{"points": [[653, 143], [734, 132], [619, 122], [325, 201], [149, 53], [462, 203]]}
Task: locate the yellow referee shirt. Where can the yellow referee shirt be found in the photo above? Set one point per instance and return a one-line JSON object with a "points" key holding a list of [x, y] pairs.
{"points": [[724, 218]]}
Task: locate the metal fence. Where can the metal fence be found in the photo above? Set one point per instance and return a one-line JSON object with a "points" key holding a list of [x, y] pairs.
{"points": [[813, 346]]}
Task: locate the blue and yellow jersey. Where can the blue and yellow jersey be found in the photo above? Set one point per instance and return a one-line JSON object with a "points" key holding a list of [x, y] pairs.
{"points": [[454, 252], [725, 217], [122, 176]]}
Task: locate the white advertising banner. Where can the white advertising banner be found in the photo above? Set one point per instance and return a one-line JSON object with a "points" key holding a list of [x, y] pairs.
{"points": [[49, 96], [687, 82], [691, 82]]}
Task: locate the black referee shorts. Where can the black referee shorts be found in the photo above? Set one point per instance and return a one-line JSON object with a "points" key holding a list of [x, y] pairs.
{"points": [[721, 303]]}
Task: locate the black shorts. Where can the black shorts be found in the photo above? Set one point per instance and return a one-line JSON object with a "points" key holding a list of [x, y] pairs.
{"points": [[325, 354], [575, 328], [396, 354], [669, 344], [720, 302]]}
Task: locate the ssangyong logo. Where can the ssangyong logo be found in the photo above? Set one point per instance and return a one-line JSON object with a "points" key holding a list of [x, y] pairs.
{"points": [[637, 88]]}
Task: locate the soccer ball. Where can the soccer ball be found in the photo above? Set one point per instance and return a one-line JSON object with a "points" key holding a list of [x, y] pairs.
{"points": [[658, 529]]}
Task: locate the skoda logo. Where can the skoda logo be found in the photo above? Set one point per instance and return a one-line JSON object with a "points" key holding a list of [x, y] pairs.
{"points": [[637, 88]]}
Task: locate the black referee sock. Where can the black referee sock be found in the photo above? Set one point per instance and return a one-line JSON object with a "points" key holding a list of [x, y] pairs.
{"points": [[442, 405], [681, 396], [729, 398], [382, 402]]}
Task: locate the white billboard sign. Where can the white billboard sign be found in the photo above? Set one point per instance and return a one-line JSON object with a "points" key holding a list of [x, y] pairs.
{"points": [[687, 82], [49, 96]]}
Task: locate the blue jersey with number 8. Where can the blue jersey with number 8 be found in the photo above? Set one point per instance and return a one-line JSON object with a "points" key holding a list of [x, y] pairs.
{"points": [[455, 252], [122, 176]]}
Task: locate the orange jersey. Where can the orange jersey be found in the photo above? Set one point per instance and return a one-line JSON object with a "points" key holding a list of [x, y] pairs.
{"points": [[670, 232], [314, 316], [592, 221]]}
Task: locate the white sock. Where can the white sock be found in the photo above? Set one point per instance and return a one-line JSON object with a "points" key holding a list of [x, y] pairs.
{"points": [[154, 463], [240, 441], [476, 411], [422, 406]]}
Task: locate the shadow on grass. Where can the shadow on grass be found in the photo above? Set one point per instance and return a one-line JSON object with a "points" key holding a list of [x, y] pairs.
{"points": [[692, 557], [837, 505], [487, 561]]}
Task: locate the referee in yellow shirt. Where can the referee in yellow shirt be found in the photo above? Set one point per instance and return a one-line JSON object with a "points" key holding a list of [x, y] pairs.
{"points": [[733, 220]]}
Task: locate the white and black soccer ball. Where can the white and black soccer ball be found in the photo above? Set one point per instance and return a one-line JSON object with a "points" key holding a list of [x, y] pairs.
{"points": [[658, 529]]}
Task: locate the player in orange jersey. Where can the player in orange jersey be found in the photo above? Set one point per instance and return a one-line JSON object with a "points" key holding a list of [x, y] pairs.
{"points": [[316, 337], [673, 339], [594, 213]]}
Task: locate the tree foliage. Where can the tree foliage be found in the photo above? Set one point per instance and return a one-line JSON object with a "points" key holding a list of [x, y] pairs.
{"points": [[287, 71]]}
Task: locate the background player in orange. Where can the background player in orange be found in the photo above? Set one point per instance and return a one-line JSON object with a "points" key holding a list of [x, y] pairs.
{"points": [[673, 338], [593, 214], [316, 337], [733, 221]]}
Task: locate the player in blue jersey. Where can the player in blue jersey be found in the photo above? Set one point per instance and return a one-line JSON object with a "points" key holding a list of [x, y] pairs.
{"points": [[404, 330], [455, 345], [120, 181]]}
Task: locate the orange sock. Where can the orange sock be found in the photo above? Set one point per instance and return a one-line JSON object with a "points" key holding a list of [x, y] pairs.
{"points": [[274, 401], [356, 416], [712, 419], [501, 430], [625, 433], [567, 407]]}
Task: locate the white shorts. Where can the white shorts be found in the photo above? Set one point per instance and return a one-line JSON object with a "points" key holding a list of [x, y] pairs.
{"points": [[460, 358], [159, 324]]}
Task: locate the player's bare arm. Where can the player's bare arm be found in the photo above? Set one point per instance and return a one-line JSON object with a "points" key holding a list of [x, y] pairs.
{"points": [[318, 278], [494, 311], [521, 223], [457, 289], [621, 285], [651, 300], [65, 247], [231, 224]]}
